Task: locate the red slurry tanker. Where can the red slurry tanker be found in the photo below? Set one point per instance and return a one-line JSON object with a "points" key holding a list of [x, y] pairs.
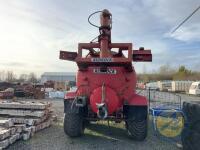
{"points": [[106, 84]]}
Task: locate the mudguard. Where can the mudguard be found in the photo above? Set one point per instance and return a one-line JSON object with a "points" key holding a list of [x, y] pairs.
{"points": [[70, 95], [138, 105], [137, 100], [68, 101], [68, 108], [138, 112], [70, 105]]}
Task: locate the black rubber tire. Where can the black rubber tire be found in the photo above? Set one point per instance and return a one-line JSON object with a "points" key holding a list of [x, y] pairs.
{"points": [[191, 133], [191, 111], [195, 126], [137, 130], [186, 139], [86, 123], [190, 139], [73, 124], [73, 121], [137, 124]]}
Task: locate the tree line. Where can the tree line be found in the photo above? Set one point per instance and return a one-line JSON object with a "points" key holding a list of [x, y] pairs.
{"points": [[10, 76], [166, 72]]}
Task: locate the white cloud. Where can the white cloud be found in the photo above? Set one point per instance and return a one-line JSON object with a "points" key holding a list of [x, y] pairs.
{"points": [[172, 12], [33, 32], [187, 34]]}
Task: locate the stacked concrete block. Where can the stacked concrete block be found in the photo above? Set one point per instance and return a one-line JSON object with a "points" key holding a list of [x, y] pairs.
{"points": [[20, 120], [8, 133]]}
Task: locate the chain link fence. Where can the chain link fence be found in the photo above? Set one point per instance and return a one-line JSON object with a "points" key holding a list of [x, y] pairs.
{"points": [[166, 114]]}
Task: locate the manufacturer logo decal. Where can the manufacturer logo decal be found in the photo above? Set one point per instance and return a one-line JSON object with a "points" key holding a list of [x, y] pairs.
{"points": [[102, 60]]}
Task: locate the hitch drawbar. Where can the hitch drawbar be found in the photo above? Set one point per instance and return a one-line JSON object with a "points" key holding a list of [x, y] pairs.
{"points": [[102, 111]]}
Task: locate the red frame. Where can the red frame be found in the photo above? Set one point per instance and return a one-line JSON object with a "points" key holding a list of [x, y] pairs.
{"points": [[133, 55], [142, 55], [122, 46]]}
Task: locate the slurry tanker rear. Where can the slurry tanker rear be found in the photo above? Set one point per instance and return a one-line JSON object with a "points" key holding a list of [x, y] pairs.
{"points": [[106, 84]]}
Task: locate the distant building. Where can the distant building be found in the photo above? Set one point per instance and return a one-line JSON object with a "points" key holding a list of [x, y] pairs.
{"points": [[58, 76]]}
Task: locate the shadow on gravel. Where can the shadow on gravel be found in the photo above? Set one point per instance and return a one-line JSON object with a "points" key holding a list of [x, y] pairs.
{"points": [[115, 131], [97, 136]]}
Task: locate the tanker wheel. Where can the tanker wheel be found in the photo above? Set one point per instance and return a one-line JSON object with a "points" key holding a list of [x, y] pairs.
{"points": [[73, 122], [137, 122]]}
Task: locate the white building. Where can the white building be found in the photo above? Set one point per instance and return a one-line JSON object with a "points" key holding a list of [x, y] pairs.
{"points": [[58, 76]]}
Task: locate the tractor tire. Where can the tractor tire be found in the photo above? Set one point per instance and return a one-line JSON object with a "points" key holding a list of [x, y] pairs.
{"points": [[191, 112], [73, 122], [190, 139], [73, 125], [86, 123], [137, 123], [191, 133], [196, 127]]}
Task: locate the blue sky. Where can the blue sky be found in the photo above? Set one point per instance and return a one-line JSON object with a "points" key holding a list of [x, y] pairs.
{"points": [[33, 31]]}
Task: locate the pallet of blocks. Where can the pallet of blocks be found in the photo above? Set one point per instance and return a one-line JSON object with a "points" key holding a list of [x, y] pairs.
{"points": [[21, 119]]}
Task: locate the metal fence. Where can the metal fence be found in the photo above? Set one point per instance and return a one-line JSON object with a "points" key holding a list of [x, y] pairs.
{"points": [[159, 99], [165, 114]]}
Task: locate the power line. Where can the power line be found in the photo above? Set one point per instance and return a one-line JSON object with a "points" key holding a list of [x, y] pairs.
{"points": [[186, 19]]}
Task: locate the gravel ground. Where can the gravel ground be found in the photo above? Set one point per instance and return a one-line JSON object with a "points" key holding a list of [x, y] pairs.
{"points": [[97, 136]]}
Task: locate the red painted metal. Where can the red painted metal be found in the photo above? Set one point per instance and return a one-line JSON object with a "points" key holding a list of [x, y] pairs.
{"points": [[71, 56], [70, 95], [138, 100], [105, 38], [108, 68], [111, 99], [142, 55]]}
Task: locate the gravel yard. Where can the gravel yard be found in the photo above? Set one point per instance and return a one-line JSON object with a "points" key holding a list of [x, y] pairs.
{"points": [[97, 136]]}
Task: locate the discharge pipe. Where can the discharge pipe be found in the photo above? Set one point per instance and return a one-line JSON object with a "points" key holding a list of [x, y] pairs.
{"points": [[105, 33], [102, 109]]}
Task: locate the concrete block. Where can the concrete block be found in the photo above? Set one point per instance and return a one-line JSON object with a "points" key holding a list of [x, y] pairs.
{"points": [[26, 136], [6, 123], [20, 127], [4, 143], [4, 133], [18, 112], [13, 130], [25, 105], [14, 138]]}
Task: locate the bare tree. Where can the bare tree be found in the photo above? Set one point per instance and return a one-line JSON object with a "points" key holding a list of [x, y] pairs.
{"points": [[32, 77], [2, 75], [10, 76], [144, 69], [23, 77]]}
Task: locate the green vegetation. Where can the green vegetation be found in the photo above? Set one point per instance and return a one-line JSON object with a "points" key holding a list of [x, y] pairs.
{"points": [[166, 72]]}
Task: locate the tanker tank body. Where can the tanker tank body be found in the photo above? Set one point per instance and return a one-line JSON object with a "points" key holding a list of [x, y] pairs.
{"points": [[106, 84]]}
